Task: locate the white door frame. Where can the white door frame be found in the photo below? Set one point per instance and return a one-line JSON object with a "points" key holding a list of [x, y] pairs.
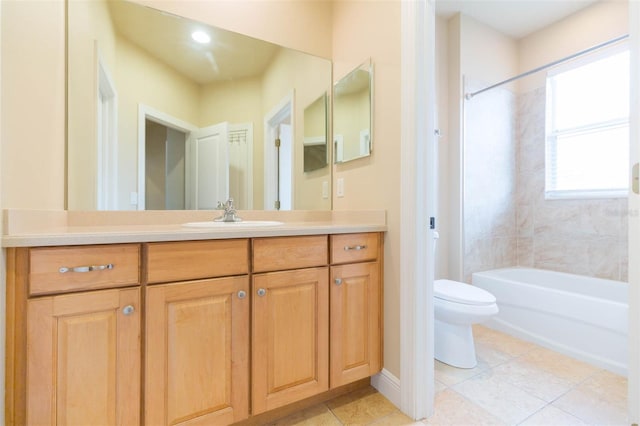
{"points": [[418, 159], [107, 137], [633, 394], [147, 113], [284, 108]]}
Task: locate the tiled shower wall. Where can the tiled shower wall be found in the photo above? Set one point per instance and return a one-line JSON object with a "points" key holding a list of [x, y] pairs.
{"points": [[490, 234], [507, 221], [586, 237]]}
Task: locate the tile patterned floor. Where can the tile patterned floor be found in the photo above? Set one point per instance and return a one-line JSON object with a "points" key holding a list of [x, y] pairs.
{"points": [[515, 383]]}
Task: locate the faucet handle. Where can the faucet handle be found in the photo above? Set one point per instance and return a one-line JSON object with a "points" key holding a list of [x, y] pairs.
{"points": [[220, 206]]}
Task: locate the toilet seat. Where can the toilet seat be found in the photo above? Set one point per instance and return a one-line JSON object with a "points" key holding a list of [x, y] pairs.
{"points": [[457, 292]]}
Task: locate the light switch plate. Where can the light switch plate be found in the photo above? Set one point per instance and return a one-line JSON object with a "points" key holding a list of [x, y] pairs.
{"points": [[340, 187]]}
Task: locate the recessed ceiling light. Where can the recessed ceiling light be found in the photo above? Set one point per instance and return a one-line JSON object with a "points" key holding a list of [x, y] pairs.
{"points": [[201, 37]]}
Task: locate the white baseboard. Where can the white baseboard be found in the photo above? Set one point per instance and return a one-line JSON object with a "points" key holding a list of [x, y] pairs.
{"points": [[388, 385]]}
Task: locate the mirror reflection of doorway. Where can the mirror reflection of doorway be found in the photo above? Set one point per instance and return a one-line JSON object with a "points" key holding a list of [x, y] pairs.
{"points": [[165, 167], [182, 166], [278, 157]]}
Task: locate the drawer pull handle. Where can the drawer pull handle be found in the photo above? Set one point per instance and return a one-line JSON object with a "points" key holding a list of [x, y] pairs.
{"points": [[128, 310], [348, 248], [86, 268], [262, 292], [338, 281], [242, 294]]}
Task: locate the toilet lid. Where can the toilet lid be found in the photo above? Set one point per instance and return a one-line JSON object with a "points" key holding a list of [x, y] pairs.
{"points": [[458, 292]]}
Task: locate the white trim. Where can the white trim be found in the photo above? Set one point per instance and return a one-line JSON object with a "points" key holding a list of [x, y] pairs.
{"points": [[417, 149], [314, 140], [285, 107], [388, 385], [107, 138], [633, 393], [148, 113]]}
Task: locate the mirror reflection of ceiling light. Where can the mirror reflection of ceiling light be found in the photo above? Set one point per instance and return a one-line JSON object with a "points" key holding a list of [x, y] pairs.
{"points": [[201, 37]]}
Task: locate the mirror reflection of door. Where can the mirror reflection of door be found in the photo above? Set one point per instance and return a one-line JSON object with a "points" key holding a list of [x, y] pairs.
{"points": [[209, 166], [278, 157]]}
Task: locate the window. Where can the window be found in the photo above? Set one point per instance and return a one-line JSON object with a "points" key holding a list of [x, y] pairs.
{"points": [[587, 144]]}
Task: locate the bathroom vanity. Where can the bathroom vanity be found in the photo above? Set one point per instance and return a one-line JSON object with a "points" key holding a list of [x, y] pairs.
{"points": [[163, 324]]}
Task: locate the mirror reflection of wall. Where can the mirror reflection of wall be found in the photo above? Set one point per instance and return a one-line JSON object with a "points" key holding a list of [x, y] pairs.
{"points": [[315, 135], [148, 61], [352, 114]]}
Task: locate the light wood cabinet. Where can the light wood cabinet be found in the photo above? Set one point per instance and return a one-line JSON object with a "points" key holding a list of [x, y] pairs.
{"points": [[190, 332], [83, 358], [197, 347], [73, 358], [355, 322], [290, 337]]}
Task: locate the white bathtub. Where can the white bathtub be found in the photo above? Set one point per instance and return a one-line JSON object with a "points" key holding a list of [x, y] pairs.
{"points": [[580, 316]]}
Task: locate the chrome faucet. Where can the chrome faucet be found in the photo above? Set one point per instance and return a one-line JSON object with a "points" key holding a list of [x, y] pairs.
{"points": [[229, 214]]}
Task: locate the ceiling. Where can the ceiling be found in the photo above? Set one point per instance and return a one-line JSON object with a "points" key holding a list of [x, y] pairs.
{"points": [[168, 38], [515, 18]]}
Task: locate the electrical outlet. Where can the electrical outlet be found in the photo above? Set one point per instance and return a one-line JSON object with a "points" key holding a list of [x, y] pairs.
{"points": [[325, 189], [340, 187]]}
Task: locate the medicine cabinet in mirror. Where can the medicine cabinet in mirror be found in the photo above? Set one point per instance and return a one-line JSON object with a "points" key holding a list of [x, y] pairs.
{"points": [[352, 112], [168, 113]]}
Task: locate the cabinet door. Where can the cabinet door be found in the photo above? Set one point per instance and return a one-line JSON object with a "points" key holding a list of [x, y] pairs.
{"points": [[290, 337], [355, 322], [197, 345], [83, 358]]}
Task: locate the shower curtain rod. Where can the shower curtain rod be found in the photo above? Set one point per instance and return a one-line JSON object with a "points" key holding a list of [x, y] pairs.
{"points": [[468, 96]]}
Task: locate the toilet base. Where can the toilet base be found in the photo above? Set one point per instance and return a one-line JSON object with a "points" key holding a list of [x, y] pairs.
{"points": [[454, 345]]}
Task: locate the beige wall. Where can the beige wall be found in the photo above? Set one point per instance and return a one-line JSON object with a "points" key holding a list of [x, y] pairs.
{"points": [[363, 29], [293, 69], [591, 26], [91, 36], [33, 156], [33, 105], [142, 79]]}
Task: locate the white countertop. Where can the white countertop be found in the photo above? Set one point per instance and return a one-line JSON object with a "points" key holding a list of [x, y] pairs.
{"points": [[32, 228]]}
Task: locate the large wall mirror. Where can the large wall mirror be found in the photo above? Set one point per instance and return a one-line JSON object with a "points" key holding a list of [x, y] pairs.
{"points": [[352, 113], [169, 113]]}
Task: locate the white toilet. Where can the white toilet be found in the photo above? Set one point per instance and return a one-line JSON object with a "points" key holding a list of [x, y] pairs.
{"points": [[457, 306]]}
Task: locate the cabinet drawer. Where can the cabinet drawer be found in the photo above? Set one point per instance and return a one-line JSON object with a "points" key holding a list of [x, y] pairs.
{"points": [[349, 248], [64, 269], [188, 260], [277, 254]]}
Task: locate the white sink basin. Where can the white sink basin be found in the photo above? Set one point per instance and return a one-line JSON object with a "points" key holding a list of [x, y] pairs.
{"points": [[243, 224]]}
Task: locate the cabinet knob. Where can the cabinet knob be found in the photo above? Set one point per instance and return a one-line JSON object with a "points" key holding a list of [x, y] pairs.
{"points": [[262, 292], [338, 281], [242, 294], [128, 310]]}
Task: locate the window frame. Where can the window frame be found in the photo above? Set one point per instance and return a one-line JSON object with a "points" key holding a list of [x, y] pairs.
{"points": [[552, 133]]}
